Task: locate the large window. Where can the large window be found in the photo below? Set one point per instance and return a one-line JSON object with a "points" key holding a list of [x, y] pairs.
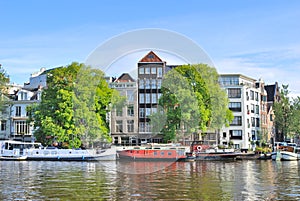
{"points": [[234, 93], [18, 111], [154, 98], [148, 112], [142, 127], [3, 125], [141, 84], [153, 84], [235, 106], [257, 109], [153, 70], [119, 126], [21, 127], [252, 95], [257, 122], [147, 70], [141, 70], [235, 133], [119, 112], [130, 96], [237, 121], [159, 72], [148, 86], [142, 98], [130, 126], [148, 98], [142, 112], [130, 110]]}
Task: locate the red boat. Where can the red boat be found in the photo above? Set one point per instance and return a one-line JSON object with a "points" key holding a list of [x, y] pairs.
{"points": [[154, 152]]}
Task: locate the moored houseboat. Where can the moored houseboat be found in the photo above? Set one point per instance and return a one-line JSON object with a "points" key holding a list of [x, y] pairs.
{"points": [[16, 150], [206, 152], [154, 152]]}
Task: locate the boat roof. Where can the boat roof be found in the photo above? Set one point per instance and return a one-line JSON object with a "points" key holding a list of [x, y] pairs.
{"points": [[18, 142]]}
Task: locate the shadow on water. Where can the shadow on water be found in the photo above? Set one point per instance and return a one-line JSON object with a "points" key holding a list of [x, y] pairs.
{"points": [[240, 180]]}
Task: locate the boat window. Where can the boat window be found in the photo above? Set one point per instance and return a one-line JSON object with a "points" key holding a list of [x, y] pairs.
{"points": [[162, 153], [169, 153], [155, 153], [46, 152]]}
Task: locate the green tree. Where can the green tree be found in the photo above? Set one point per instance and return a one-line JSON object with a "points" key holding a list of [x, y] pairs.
{"points": [[191, 100], [73, 107], [295, 117], [4, 80], [283, 114]]}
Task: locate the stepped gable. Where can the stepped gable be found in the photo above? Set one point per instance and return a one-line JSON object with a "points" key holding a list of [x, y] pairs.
{"points": [[151, 57], [125, 77]]}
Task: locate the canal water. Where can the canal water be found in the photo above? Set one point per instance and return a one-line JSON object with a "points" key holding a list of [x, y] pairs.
{"points": [[207, 181]]}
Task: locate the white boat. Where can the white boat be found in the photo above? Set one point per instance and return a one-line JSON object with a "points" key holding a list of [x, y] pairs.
{"points": [[286, 153], [16, 150]]}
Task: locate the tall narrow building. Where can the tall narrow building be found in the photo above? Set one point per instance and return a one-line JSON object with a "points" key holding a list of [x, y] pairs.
{"points": [[150, 73]]}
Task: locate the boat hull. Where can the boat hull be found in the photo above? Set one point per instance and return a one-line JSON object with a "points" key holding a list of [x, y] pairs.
{"points": [[216, 156], [155, 154]]}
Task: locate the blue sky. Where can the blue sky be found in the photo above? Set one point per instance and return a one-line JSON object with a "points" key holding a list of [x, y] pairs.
{"points": [[260, 39]]}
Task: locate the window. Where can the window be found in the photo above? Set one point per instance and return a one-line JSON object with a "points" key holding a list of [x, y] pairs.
{"points": [[154, 99], [147, 127], [235, 106], [252, 121], [271, 117], [237, 121], [159, 72], [257, 109], [235, 133], [257, 122], [142, 98], [142, 84], [252, 108], [119, 112], [153, 70], [148, 112], [3, 125], [234, 93], [18, 111], [256, 96], [148, 98], [252, 95], [147, 84], [224, 134], [142, 112], [142, 127], [158, 83], [21, 127], [119, 126], [153, 84], [130, 96], [130, 110], [141, 70], [130, 126], [147, 70]]}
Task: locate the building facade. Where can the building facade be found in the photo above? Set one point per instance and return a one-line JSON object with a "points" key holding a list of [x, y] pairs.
{"points": [[245, 103], [124, 121]]}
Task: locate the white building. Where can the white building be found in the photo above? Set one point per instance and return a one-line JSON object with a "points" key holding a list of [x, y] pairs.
{"points": [[244, 102]]}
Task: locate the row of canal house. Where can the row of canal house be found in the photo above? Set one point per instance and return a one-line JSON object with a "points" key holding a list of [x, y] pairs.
{"points": [[14, 124], [250, 100]]}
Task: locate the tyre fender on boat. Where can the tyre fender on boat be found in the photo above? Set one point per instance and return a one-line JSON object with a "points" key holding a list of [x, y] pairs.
{"points": [[199, 148]]}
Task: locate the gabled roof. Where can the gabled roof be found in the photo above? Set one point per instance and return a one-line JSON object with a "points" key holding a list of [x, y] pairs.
{"points": [[151, 57], [125, 77]]}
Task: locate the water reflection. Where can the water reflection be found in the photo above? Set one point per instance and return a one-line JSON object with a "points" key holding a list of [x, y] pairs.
{"points": [[240, 180]]}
